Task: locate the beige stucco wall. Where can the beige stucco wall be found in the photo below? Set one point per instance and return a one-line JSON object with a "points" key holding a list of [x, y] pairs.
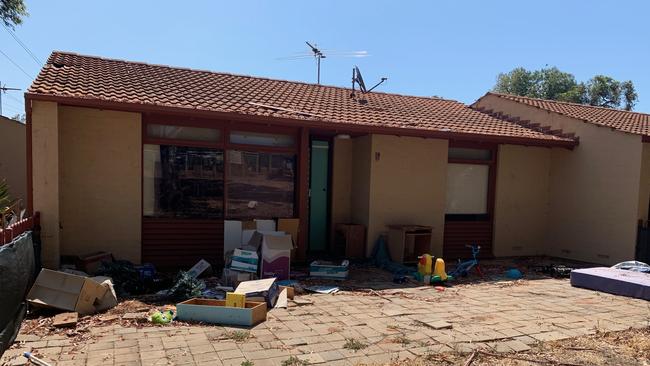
{"points": [[521, 200], [45, 177], [360, 183], [407, 185], [594, 189], [644, 186], [341, 190], [100, 182], [13, 157]]}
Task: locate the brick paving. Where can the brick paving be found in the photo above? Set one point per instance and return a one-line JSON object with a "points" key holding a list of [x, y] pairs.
{"points": [[397, 324]]}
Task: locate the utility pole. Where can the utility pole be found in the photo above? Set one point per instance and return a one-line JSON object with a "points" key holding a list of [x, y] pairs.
{"points": [[4, 89]]}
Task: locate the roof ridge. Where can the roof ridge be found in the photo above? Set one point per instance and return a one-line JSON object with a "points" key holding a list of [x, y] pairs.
{"points": [[243, 75], [564, 102]]}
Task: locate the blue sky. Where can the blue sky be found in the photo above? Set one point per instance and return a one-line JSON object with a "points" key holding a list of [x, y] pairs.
{"points": [[452, 49]]}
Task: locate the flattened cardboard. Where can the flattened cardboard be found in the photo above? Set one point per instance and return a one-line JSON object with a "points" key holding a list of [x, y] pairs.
{"points": [[200, 267]]}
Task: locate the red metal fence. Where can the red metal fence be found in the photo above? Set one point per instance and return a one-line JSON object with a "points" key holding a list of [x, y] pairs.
{"points": [[10, 232]]}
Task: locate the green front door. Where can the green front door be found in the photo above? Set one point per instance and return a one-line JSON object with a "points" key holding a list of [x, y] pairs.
{"points": [[319, 194]]}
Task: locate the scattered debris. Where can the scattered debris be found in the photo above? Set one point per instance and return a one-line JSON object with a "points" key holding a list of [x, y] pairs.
{"points": [[185, 287], [300, 301], [555, 270], [139, 316], [90, 263], [199, 268], [514, 274], [283, 299], [125, 277], [635, 266], [64, 320], [470, 359], [35, 360], [323, 289], [329, 270]]}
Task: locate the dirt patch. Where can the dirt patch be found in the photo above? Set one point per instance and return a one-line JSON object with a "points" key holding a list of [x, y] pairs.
{"points": [[629, 347]]}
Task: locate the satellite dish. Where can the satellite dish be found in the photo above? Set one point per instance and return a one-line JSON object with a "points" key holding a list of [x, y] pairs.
{"points": [[359, 79]]}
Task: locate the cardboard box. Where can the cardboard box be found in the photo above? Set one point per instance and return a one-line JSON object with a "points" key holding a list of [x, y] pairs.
{"points": [[234, 278], [70, 292], [265, 225], [232, 235], [216, 312], [291, 227], [246, 236], [248, 225], [322, 269], [276, 256], [245, 261], [266, 290], [90, 263]]}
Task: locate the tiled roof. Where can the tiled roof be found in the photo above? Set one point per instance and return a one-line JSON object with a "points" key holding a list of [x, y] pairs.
{"points": [[92, 78], [632, 122]]}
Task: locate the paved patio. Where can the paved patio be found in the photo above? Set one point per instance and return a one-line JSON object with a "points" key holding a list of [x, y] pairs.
{"points": [[393, 323]]}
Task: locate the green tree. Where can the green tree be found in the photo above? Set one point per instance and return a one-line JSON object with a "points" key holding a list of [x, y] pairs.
{"points": [[12, 12], [551, 83]]}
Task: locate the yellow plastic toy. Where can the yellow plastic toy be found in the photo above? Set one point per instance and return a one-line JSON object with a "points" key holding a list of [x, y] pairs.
{"points": [[424, 264], [439, 269], [234, 300]]}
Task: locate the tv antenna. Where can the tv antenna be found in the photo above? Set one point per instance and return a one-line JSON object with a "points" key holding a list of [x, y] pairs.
{"points": [[319, 54], [358, 80], [4, 89]]}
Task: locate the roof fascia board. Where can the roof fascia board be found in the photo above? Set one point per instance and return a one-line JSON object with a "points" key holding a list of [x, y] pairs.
{"points": [[334, 126]]}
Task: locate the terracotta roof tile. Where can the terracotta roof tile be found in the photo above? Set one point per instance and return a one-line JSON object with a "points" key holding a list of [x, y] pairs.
{"points": [[626, 121], [75, 76]]}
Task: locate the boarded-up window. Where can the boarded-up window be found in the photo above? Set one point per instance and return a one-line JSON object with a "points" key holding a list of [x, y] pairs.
{"points": [[467, 189]]}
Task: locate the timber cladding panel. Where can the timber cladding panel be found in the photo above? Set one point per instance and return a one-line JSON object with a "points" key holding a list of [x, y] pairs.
{"points": [[458, 234], [181, 243]]}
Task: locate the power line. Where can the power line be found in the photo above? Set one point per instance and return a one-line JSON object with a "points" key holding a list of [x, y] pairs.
{"points": [[15, 64], [20, 102], [24, 46]]}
